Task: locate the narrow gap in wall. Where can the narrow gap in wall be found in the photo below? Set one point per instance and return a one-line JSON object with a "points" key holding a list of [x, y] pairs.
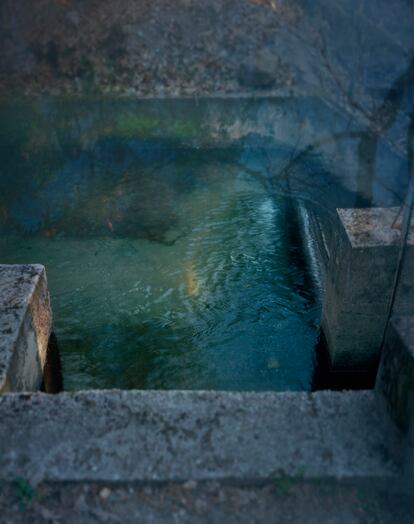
{"points": [[52, 372], [325, 378]]}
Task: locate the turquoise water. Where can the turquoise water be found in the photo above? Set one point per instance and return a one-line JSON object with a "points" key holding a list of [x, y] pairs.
{"points": [[168, 268]]}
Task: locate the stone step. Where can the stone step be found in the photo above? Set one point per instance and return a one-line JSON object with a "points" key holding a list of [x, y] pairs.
{"points": [[165, 436]]}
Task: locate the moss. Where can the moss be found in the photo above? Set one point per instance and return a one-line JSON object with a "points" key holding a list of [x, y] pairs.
{"points": [[369, 508], [24, 493], [284, 483], [150, 126]]}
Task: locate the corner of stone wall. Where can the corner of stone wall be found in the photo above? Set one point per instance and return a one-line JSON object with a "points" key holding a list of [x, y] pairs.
{"points": [[25, 326]]}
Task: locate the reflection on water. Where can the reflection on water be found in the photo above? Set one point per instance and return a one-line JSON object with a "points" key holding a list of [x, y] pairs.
{"points": [[168, 268]]}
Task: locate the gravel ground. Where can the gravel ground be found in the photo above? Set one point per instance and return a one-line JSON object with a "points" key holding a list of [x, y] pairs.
{"points": [[284, 501], [172, 47], [349, 53]]}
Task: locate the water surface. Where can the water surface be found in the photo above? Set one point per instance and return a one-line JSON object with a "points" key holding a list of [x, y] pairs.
{"points": [[168, 266]]}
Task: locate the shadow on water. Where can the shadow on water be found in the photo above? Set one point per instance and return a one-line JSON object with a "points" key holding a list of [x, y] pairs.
{"points": [[143, 356]]}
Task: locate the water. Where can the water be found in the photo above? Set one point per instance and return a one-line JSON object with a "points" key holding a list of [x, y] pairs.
{"points": [[168, 267]]}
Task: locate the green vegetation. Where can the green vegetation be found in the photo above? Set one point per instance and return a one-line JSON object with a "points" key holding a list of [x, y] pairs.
{"points": [[285, 483], [24, 493], [147, 126]]}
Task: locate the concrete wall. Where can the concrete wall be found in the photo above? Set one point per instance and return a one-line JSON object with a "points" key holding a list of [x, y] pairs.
{"points": [[359, 282]]}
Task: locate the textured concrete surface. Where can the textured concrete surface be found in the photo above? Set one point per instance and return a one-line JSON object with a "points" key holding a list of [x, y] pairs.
{"points": [[359, 283], [395, 389], [374, 227], [173, 436], [25, 326]]}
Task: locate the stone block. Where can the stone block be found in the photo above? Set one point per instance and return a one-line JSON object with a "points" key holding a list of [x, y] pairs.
{"points": [[25, 326], [170, 436], [359, 282]]}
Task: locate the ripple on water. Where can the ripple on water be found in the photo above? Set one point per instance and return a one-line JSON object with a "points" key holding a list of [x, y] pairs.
{"points": [[223, 304]]}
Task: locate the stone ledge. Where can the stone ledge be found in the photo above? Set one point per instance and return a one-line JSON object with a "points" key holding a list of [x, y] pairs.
{"points": [[25, 326], [281, 501], [165, 436], [374, 226]]}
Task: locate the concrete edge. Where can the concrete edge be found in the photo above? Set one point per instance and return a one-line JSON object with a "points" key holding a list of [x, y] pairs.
{"points": [[163, 436], [25, 326]]}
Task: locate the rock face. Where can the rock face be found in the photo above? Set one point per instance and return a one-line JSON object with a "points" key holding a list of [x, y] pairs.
{"points": [[25, 326]]}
